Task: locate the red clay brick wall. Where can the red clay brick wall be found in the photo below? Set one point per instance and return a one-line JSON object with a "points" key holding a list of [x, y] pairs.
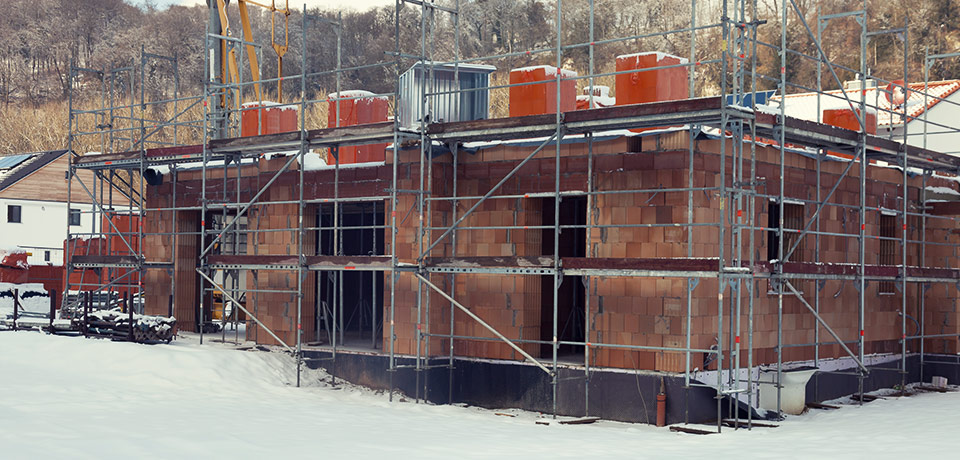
{"points": [[408, 248], [838, 304], [278, 310], [633, 310], [638, 311], [158, 248]]}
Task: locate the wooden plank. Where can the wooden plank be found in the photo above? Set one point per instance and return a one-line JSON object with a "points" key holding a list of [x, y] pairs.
{"points": [[636, 263], [243, 259], [102, 259], [580, 116], [682, 429], [371, 133], [486, 262], [491, 123], [743, 424], [852, 269], [238, 143], [180, 150], [815, 405], [639, 110], [313, 262], [349, 262], [933, 388], [580, 421]]}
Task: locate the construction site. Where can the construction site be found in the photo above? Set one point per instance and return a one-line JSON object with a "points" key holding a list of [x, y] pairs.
{"points": [[744, 253]]}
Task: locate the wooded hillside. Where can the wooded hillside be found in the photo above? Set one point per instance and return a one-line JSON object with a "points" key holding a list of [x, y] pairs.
{"points": [[42, 37]]}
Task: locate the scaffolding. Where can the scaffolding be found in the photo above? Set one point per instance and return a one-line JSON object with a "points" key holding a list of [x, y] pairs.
{"points": [[133, 144]]}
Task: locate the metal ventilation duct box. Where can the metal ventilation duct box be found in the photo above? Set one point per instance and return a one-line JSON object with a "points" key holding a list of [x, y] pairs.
{"points": [[461, 102]]}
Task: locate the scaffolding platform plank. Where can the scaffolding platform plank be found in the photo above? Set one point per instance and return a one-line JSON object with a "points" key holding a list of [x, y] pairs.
{"points": [[96, 261], [372, 133], [153, 156], [851, 271], [543, 262], [292, 262], [699, 110], [706, 110], [218, 149], [633, 266], [492, 265], [358, 263]]}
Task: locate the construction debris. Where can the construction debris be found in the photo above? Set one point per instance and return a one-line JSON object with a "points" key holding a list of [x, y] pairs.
{"points": [[115, 324], [934, 388]]}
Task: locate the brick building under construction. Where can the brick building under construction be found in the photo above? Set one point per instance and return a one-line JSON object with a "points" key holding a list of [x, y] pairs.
{"points": [[559, 259]]}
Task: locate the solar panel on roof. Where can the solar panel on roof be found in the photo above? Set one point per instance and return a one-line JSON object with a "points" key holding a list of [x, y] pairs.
{"points": [[13, 160]]}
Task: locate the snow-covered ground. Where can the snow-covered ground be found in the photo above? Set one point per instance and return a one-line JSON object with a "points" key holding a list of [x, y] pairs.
{"points": [[69, 397]]}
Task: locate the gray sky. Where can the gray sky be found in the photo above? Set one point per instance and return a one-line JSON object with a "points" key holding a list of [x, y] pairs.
{"points": [[297, 4]]}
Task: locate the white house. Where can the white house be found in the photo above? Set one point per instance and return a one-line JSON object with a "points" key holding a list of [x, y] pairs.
{"points": [[33, 205], [933, 108]]}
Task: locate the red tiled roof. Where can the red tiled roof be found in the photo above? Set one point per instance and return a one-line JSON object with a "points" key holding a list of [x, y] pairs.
{"points": [[805, 105]]}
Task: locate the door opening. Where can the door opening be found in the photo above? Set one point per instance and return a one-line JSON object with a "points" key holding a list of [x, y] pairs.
{"points": [[350, 303], [571, 294]]}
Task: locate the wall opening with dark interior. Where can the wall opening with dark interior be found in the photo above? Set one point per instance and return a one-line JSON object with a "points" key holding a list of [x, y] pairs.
{"points": [[186, 303], [571, 294], [793, 219], [359, 320], [888, 250]]}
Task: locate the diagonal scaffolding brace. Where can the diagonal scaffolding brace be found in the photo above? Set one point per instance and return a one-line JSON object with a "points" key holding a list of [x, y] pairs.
{"points": [[484, 324], [824, 324], [239, 305], [488, 194]]}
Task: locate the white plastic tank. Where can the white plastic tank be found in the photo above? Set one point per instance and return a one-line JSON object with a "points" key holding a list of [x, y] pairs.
{"points": [[793, 395]]}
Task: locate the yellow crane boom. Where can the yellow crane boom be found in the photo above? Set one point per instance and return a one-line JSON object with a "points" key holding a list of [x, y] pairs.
{"points": [[230, 69]]}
